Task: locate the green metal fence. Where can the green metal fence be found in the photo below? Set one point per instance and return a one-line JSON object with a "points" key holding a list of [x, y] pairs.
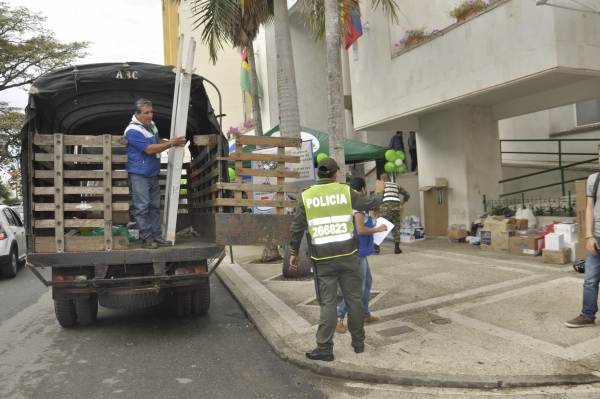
{"points": [[559, 154], [539, 206]]}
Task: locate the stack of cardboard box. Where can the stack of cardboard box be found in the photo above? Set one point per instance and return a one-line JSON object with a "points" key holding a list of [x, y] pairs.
{"points": [[555, 250], [496, 233]]}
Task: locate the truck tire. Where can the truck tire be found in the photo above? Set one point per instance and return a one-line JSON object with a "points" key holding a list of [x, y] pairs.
{"points": [[183, 303], [65, 312], [131, 300], [87, 309], [9, 269], [201, 300]]}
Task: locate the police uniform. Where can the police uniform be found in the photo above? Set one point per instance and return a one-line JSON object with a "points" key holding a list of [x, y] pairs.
{"points": [[391, 209], [326, 211]]}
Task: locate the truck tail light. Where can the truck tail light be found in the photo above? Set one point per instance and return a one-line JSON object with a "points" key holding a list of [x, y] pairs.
{"points": [[190, 270]]}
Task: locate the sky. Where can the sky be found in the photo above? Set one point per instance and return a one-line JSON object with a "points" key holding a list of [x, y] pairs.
{"points": [[121, 30]]}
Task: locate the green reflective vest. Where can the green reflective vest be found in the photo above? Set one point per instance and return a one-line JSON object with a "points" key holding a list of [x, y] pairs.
{"points": [[330, 221]]}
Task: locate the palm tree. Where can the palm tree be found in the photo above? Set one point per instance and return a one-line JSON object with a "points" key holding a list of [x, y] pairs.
{"points": [[324, 18]]}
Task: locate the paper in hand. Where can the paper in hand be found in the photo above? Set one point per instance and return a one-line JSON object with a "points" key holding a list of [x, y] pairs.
{"points": [[380, 236]]}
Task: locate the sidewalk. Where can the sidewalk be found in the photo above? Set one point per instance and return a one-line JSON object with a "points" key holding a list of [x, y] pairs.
{"points": [[503, 318]]}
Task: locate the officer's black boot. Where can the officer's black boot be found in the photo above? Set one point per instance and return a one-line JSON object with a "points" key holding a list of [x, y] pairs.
{"points": [[397, 249]]}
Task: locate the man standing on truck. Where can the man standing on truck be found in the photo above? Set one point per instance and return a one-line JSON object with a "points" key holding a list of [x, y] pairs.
{"points": [[143, 166], [326, 210]]}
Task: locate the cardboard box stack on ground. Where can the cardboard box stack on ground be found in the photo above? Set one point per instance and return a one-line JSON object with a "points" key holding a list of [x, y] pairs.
{"points": [[496, 234], [557, 257], [571, 237], [412, 232], [435, 202], [526, 245], [580, 205]]}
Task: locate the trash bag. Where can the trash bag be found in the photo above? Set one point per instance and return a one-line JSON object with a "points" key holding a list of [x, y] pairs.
{"points": [[117, 232]]}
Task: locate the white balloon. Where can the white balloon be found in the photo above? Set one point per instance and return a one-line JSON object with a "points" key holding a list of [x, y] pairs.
{"points": [[398, 162]]}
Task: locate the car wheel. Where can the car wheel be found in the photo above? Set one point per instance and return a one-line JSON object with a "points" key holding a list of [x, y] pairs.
{"points": [[201, 300], [9, 269], [183, 303], [65, 312], [87, 309]]}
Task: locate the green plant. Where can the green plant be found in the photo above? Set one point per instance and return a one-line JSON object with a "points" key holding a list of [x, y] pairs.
{"points": [[466, 6], [539, 210]]}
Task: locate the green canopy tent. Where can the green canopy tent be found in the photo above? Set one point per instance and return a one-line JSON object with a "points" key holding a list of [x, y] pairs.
{"points": [[355, 151]]}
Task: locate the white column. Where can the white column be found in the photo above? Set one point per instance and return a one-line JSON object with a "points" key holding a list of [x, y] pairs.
{"points": [[461, 144]]}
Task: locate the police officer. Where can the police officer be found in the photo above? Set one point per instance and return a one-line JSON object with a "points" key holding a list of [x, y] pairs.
{"points": [[326, 211]]}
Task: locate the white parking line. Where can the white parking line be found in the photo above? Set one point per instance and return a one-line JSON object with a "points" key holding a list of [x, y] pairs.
{"points": [[458, 295]]}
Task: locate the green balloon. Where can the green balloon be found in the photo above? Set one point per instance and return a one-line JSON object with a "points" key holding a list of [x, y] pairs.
{"points": [[389, 167], [390, 155], [321, 157], [400, 155], [231, 174], [401, 168]]}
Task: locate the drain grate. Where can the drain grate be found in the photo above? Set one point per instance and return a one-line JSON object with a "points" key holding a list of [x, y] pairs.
{"points": [[441, 321], [395, 331]]}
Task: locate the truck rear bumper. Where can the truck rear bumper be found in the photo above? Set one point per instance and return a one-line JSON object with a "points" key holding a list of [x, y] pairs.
{"points": [[95, 284]]}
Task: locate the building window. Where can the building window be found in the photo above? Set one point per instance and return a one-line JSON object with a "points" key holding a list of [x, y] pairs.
{"points": [[587, 112]]}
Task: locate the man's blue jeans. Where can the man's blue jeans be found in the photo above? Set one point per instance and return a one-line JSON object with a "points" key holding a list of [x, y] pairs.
{"points": [[590, 285], [365, 270], [145, 194]]}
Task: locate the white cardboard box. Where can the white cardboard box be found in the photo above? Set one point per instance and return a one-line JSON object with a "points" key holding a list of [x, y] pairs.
{"points": [[574, 246], [554, 241], [565, 227], [570, 237]]}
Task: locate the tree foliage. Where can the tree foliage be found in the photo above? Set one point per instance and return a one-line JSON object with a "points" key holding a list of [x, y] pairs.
{"points": [[5, 194], [10, 141], [27, 50]]}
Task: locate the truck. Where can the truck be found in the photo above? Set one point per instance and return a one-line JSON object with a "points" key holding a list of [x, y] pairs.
{"points": [[77, 205]]}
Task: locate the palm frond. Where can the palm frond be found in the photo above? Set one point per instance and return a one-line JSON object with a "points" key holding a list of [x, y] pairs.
{"points": [[216, 18]]}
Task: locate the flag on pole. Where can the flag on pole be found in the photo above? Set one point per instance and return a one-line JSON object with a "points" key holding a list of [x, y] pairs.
{"points": [[245, 74], [353, 27]]}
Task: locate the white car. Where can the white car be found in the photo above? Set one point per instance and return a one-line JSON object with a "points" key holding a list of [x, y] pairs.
{"points": [[12, 241], [18, 207]]}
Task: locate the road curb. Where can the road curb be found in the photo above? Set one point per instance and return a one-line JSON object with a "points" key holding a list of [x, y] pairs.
{"points": [[385, 376]]}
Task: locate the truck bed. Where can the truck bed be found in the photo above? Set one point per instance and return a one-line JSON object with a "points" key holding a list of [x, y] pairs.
{"points": [[185, 249]]}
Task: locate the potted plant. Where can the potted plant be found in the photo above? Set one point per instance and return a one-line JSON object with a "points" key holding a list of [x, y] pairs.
{"points": [[412, 37], [467, 8], [233, 132]]}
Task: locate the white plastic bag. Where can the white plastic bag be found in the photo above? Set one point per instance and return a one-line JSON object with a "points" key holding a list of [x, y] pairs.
{"points": [[527, 214]]}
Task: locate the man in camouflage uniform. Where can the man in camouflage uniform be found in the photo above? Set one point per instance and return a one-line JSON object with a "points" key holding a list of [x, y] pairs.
{"points": [[392, 208]]}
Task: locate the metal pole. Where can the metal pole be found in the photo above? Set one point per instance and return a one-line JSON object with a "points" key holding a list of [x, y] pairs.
{"points": [[523, 200], [562, 171], [231, 253], [484, 204]]}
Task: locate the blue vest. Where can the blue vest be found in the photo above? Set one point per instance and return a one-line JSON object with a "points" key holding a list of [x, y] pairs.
{"points": [[141, 163], [366, 243]]}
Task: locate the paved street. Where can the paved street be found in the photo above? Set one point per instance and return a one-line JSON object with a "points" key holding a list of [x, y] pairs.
{"points": [[152, 354], [146, 353]]}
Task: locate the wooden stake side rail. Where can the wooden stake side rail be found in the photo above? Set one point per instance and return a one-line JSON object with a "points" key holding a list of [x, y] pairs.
{"points": [[209, 187], [95, 141], [57, 178]]}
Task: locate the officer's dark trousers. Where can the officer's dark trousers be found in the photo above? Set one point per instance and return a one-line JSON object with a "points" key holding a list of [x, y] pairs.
{"points": [[345, 272]]}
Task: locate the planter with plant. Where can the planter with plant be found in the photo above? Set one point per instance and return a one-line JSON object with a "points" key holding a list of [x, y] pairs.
{"points": [[467, 8], [414, 36], [236, 131]]}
